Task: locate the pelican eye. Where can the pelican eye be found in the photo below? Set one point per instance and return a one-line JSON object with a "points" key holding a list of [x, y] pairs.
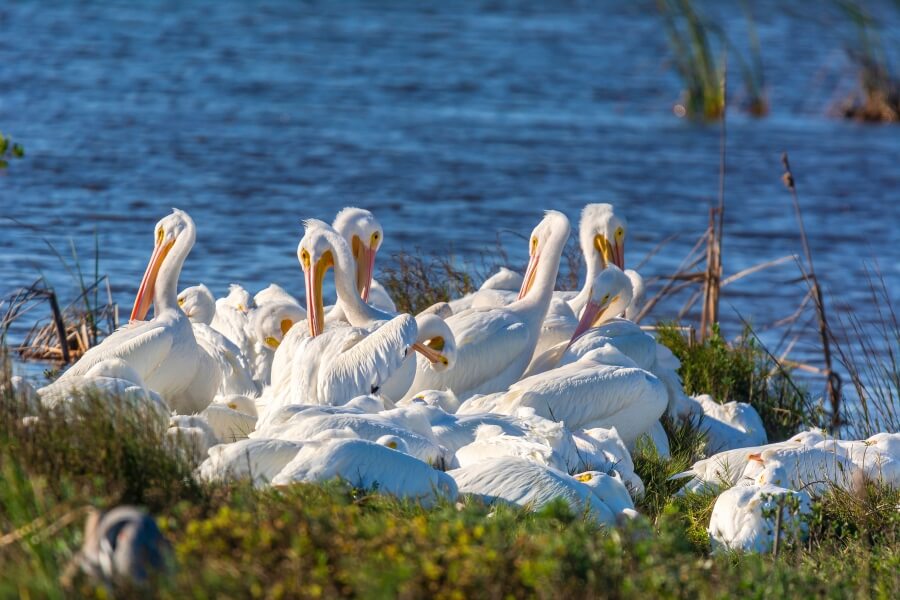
{"points": [[242, 308], [584, 477], [605, 298], [375, 237], [232, 405], [181, 302], [436, 343], [304, 259], [620, 232], [534, 244], [392, 445], [159, 236], [444, 361], [270, 341]]}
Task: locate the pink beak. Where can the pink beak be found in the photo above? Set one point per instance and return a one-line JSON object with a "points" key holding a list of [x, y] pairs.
{"points": [[530, 272], [367, 258], [312, 313], [592, 311]]}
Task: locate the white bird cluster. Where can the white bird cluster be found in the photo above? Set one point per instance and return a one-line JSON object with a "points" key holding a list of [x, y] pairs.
{"points": [[516, 393], [768, 489]]}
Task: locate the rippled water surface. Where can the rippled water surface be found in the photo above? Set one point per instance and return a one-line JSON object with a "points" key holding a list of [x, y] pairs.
{"points": [[451, 121]]}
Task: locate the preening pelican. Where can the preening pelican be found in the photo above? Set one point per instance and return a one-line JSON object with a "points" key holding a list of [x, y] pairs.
{"points": [[494, 345], [198, 304], [162, 351]]}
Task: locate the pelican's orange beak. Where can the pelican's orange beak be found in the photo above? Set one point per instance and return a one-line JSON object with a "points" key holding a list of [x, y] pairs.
{"points": [[592, 315], [144, 298], [431, 350], [530, 273], [315, 277], [618, 254]]}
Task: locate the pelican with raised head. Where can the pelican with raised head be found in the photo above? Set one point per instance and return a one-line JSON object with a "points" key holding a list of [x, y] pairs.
{"points": [[162, 351]]}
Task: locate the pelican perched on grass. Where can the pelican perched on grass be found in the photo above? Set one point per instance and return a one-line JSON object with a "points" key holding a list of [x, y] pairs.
{"points": [[494, 345], [163, 350]]}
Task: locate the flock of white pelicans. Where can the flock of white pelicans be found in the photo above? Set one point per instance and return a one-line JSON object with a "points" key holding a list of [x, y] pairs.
{"points": [[515, 393]]}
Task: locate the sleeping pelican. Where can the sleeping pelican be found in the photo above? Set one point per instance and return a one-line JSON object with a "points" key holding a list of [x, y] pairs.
{"points": [[162, 351], [494, 345]]}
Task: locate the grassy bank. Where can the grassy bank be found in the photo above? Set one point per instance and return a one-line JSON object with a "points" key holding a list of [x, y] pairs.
{"points": [[326, 541]]}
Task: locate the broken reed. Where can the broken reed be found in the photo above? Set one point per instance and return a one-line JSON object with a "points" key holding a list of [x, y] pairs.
{"points": [[67, 333], [832, 379]]}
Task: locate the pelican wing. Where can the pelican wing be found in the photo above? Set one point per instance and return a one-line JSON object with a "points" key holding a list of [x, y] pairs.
{"points": [[144, 346], [228, 358], [592, 395], [361, 362]]}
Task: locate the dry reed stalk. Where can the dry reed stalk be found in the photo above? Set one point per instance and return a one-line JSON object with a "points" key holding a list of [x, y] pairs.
{"points": [[832, 379]]}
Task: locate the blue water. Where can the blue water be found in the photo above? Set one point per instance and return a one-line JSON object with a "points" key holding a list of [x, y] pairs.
{"points": [[451, 121]]}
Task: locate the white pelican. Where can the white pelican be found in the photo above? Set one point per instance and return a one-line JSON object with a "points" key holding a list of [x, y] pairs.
{"points": [[813, 469], [198, 304], [601, 234], [728, 426], [519, 481], [275, 313], [162, 351], [369, 465], [738, 522], [494, 345], [727, 468], [115, 379], [601, 389], [436, 343], [257, 459], [878, 456], [364, 235], [310, 424], [232, 317], [191, 436]]}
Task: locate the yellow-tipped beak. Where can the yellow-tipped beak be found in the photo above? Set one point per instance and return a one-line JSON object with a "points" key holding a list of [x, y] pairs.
{"points": [[144, 298], [430, 353]]}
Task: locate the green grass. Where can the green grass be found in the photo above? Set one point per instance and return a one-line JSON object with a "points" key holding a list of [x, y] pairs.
{"points": [[742, 371]]}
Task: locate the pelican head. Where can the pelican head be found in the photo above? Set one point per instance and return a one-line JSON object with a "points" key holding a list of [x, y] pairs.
{"points": [[553, 229], [394, 443], [435, 342], [271, 321], [320, 249], [610, 293], [363, 233], [602, 235], [198, 303], [173, 232]]}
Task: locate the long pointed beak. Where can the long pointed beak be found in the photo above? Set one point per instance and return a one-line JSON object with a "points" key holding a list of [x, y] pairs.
{"points": [[619, 255], [430, 353], [592, 313], [315, 308], [365, 270], [144, 299], [530, 272]]}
